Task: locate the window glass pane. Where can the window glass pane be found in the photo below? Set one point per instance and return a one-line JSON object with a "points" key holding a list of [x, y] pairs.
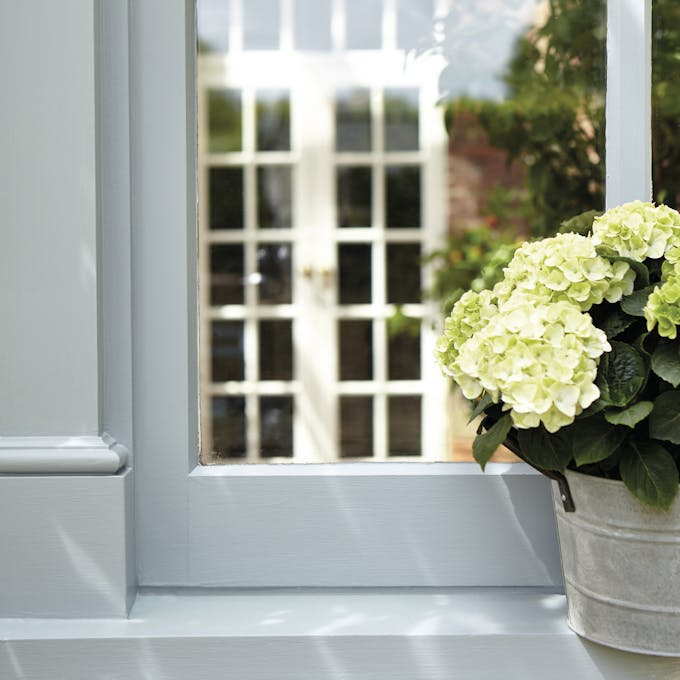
{"points": [[364, 24], [224, 120], [356, 427], [273, 120], [356, 349], [404, 355], [313, 25], [355, 197], [226, 198], [403, 196], [260, 24], [226, 274], [403, 273], [404, 426], [353, 120], [227, 350], [228, 427], [276, 427], [666, 102], [274, 206], [401, 119], [354, 268], [276, 349], [274, 273]]}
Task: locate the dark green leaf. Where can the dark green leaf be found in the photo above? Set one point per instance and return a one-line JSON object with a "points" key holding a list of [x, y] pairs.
{"points": [[484, 402], [650, 473], [666, 362], [630, 416], [664, 421], [621, 374], [617, 322], [634, 303], [594, 408], [485, 445], [594, 440], [545, 450]]}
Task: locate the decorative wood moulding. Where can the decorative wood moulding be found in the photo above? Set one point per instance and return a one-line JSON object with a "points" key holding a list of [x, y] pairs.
{"points": [[61, 455]]}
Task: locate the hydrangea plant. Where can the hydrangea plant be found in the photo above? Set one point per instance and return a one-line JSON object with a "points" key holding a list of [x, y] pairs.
{"points": [[573, 359]]}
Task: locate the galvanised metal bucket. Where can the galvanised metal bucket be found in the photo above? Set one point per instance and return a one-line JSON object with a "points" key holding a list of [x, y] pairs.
{"points": [[621, 563]]}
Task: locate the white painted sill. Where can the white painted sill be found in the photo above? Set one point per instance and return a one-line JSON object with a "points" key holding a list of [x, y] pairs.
{"points": [[334, 634]]}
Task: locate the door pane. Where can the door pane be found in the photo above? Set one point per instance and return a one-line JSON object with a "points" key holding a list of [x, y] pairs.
{"points": [[228, 427], [274, 202], [402, 128], [404, 355], [276, 427], [276, 349], [226, 198], [404, 426], [226, 274], [273, 120], [227, 351], [353, 120], [274, 273], [224, 120], [403, 273], [403, 197], [356, 350], [354, 268], [356, 427], [355, 197], [261, 24]]}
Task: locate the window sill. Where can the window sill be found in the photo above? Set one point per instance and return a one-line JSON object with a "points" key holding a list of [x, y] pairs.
{"points": [[394, 633]]}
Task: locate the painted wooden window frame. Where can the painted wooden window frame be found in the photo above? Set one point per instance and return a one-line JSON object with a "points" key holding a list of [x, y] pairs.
{"points": [[367, 525]]}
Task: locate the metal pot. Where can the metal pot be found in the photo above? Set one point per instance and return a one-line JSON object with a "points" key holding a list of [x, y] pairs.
{"points": [[621, 563]]}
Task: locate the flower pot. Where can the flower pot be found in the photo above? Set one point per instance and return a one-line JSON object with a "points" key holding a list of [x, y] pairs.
{"points": [[621, 563]]}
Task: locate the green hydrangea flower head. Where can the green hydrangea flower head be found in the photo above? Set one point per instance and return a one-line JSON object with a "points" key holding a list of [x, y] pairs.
{"points": [[663, 306], [566, 267], [470, 313], [541, 360], [638, 230]]}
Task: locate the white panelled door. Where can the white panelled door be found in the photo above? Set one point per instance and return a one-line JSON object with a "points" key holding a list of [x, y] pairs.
{"points": [[322, 184]]}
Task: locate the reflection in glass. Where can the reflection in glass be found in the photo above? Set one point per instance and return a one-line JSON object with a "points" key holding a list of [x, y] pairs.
{"points": [[364, 24], [227, 350], [276, 427], [226, 274], [261, 21], [353, 120], [354, 273], [276, 349], [415, 22], [356, 427], [226, 198], [274, 269], [355, 196], [224, 120], [403, 273], [312, 25], [403, 359], [212, 25], [401, 119], [404, 425], [229, 427], [273, 120], [402, 186], [356, 349], [666, 102], [274, 197]]}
